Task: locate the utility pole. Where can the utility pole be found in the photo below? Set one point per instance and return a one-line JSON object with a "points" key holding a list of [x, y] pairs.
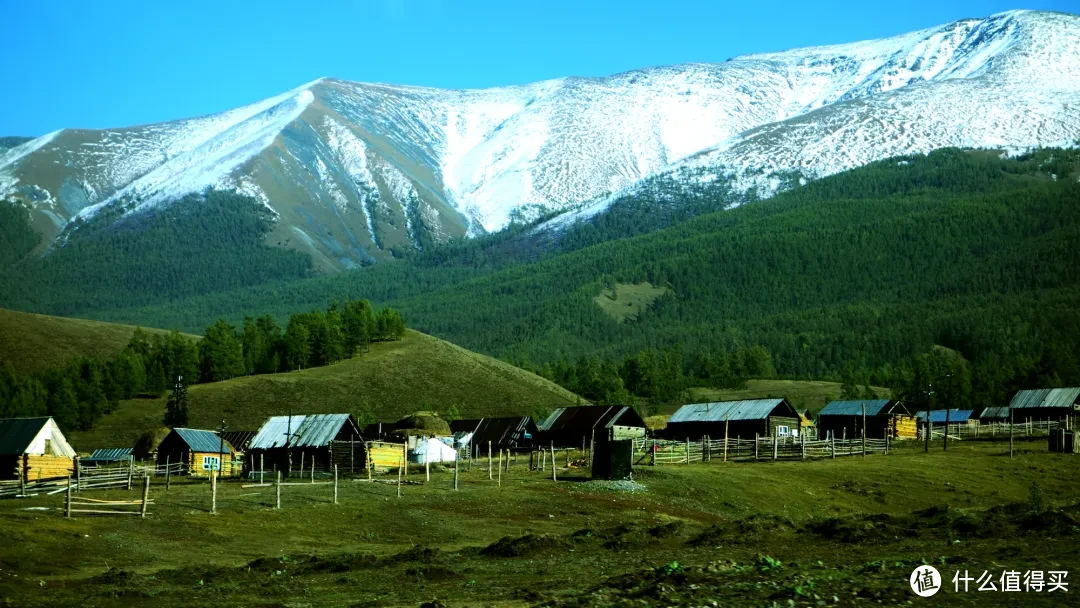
{"points": [[288, 440], [221, 449], [929, 406], [945, 442]]}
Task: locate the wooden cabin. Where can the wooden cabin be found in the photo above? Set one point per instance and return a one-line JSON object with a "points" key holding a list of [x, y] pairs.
{"points": [[107, 456], [884, 417], [500, 433], [33, 449], [574, 427], [202, 452], [953, 417], [285, 443], [739, 419], [1045, 404]]}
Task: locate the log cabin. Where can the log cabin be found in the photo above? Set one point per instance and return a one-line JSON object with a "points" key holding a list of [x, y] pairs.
{"points": [[34, 448]]}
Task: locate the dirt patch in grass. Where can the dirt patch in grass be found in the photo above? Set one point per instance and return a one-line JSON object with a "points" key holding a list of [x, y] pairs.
{"points": [[528, 545]]}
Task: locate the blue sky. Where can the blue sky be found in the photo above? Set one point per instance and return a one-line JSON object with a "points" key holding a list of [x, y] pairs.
{"points": [[110, 63]]}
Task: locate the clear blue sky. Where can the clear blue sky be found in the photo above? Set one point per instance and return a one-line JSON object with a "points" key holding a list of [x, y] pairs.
{"points": [[102, 63]]}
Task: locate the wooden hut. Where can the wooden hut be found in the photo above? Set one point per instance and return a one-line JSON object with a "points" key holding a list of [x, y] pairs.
{"points": [[501, 433], [34, 448], [574, 427], [1044, 404], [201, 451], [107, 456], [841, 419], [287, 443], [938, 418], [744, 419]]}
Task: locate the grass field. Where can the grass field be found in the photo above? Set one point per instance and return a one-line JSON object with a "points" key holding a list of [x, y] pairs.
{"points": [[33, 343], [390, 380], [803, 394], [627, 301], [834, 532]]}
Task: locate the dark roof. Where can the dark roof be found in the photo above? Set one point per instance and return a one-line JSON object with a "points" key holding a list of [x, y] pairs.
{"points": [[1046, 397], [17, 433], [939, 415], [996, 412], [591, 417], [108, 455], [238, 439], [854, 407], [499, 431], [203, 441], [719, 411]]}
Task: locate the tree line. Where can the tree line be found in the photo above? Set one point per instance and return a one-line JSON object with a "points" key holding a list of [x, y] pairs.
{"points": [[79, 392]]}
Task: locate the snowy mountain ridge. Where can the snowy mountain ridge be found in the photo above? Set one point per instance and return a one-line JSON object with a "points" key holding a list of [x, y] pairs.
{"points": [[353, 171]]}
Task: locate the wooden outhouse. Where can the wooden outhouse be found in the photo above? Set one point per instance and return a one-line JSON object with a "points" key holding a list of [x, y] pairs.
{"points": [[574, 427], [884, 417], [34, 448], [739, 419], [201, 451]]}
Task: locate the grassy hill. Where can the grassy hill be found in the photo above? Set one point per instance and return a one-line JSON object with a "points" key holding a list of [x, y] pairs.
{"points": [[33, 343], [803, 394], [392, 379]]}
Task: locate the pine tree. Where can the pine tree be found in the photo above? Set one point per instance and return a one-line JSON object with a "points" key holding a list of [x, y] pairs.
{"points": [[176, 407]]}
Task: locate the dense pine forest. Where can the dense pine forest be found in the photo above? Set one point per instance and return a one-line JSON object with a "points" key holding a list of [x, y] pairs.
{"points": [[957, 266], [78, 393]]}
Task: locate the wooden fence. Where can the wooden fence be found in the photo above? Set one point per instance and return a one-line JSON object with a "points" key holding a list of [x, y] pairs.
{"points": [[993, 431], [657, 452], [107, 506]]}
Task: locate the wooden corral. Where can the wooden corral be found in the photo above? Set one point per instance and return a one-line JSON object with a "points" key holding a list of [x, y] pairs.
{"points": [[33, 449]]}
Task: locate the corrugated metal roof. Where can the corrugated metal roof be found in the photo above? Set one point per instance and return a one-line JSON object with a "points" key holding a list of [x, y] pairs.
{"points": [[499, 431], [854, 408], [939, 415], [1046, 397], [997, 412], [590, 417], [17, 433], [308, 431], [238, 439], [109, 455], [749, 409], [203, 441]]}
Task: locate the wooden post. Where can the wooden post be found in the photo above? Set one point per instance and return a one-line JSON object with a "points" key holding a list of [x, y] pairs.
{"points": [[653, 453], [131, 470], [455, 473], [404, 459], [368, 462], [726, 421], [592, 447], [277, 490], [532, 465], [213, 493], [335, 484], [67, 502], [427, 465], [262, 468], [802, 447], [168, 472], [352, 456], [756, 442], [568, 457], [399, 478], [775, 446], [145, 495], [490, 472], [500, 466], [78, 475], [864, 428], [543, 460], [1012, 423], [553, 464], [301, 465], [312, 468], [945, 442], [887, 437], [687, 450]]}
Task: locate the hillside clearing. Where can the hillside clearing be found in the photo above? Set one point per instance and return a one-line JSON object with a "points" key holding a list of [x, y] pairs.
{"points": [[625, 302]]}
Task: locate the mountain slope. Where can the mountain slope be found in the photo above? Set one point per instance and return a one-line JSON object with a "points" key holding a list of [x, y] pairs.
{"points": [[390, 380], [356, 173], [33, 343]]}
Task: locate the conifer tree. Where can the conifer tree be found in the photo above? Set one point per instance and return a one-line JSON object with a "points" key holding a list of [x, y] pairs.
{"points": [[176, 407]]}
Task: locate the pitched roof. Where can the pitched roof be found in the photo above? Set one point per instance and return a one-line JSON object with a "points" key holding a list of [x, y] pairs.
{"points": [[939, 415], [591, 417], [203, 441], [748, 409], [995, 412], [239, 439], [313, 430], [854, 407], [108, 455], [499, 431], [17, 433], [1046, 397]]}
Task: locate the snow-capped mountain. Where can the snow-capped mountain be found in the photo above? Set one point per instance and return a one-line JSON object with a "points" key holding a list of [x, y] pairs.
{"points": [[353, 170]]}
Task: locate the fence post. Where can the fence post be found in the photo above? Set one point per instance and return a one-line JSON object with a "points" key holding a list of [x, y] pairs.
{"points": [[553, 463], [145, 495], [864, 428], [399, 478], [78, 475], [67, 502], [543, 460], [427, 466], [352, 456], [277, 505], [168, 472], [567, 454], [592, 447], [335, 484], [653, 462], [490, 472], [756, 441], [802, 447], [262, 468], [726, 420], [501, 465], [404, 459], [131, 470], [775, 446], [368, 462], [213, 493], [1012, 423], [455, 472], [687, 450]]}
